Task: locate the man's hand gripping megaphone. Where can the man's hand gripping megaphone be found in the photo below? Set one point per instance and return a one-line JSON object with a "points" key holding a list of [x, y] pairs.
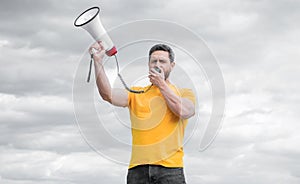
{"points": [[97, 52]]}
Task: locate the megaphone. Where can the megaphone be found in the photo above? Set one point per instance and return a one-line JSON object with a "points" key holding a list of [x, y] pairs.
{"points": [[90, 21]]}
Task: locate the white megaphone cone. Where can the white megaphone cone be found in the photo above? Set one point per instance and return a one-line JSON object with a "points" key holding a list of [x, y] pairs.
{"points": [[90, 21]]}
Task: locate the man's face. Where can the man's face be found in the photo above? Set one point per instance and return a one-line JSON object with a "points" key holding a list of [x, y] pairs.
{"points": [[161, 60]]}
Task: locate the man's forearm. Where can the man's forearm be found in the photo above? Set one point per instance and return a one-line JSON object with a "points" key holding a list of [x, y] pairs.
{"points": [[102, 82], [182, 107]]}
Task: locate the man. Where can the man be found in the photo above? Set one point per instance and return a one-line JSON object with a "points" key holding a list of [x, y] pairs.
{"points": [[158, 118]]}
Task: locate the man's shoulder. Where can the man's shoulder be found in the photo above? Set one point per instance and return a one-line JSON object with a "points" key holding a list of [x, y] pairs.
{"points": [[182, 91]]}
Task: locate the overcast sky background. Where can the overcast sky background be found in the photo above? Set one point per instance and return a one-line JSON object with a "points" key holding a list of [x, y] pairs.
{"points": [[256, 43]]}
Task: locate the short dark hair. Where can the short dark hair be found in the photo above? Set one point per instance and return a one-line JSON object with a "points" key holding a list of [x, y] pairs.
{"points": [[163, 47]]}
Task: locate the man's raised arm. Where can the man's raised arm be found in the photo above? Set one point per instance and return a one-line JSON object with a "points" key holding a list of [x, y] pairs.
{"points": [[115, 96]]}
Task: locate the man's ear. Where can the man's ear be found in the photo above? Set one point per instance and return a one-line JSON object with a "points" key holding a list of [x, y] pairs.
{"points": [[173, 64]]}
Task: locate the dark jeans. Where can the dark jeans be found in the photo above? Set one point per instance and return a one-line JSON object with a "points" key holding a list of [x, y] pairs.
{"points": [[154, 174]]}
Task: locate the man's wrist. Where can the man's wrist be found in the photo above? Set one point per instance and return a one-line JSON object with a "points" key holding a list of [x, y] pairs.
{"points": [[163, 86], [99, 68], [98, 64]]}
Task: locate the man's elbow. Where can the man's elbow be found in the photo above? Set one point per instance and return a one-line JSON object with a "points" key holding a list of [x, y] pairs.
{"points": [[107, 98], [187, 115], [187, 109]]}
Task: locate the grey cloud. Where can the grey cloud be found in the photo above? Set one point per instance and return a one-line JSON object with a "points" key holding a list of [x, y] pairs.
{"points": [[25, 71], [87, 167]]}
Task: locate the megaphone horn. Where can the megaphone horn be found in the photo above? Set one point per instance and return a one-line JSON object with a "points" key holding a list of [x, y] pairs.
{"points": [[90, 21]]}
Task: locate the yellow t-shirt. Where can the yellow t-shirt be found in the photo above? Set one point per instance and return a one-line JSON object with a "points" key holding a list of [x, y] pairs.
{"points": [[157, 133]]}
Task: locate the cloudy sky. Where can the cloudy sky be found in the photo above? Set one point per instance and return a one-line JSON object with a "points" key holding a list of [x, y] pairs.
{"points": [[45, 135]]}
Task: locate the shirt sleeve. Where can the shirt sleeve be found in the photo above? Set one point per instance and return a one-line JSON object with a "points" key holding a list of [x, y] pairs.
{"points": [[131, 96], [189, 94]]}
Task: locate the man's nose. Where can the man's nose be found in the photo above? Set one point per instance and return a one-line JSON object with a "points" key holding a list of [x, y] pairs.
{"points": [[157, 63]]}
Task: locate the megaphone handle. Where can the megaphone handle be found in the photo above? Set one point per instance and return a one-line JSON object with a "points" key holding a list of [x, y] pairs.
{"points": [[90, 69]]}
